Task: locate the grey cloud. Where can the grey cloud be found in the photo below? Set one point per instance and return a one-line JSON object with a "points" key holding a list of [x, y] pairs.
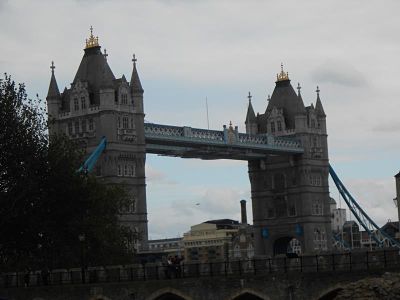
{"points": [[387, 127], [339, 73], [155, 176], [3, 6]]}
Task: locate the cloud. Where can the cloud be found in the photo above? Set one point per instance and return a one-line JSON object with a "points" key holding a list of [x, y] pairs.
{"points": [[339, 73], [236, 49], [375, 196], [204, 204], [3, 5], [387, 127], [154, 176]]}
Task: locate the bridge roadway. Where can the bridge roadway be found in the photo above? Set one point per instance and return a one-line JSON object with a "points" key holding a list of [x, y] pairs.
{"points": [[307, 277], [187, 142]]}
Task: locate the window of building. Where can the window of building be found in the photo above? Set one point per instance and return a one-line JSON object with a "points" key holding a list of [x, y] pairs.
{"points": [[131, 170], [315, 179], [272, 127], [91, 125], [83, 102], [315, 142], [320, 242], [76, 104], [125, 170], [124, 99], [279, 123], [84, 128], [125, 122], [280, 207], [279, 182], [294, 246], [76, 127], [312, 123], [132, 124], [130, 206], [236, 252], [317, 207], [70, 128], [91, 98], [119, 122], [119, 170], [291, 208]]}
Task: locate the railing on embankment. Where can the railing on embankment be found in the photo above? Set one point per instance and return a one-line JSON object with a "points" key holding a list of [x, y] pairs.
{"points": [[342, 262]]}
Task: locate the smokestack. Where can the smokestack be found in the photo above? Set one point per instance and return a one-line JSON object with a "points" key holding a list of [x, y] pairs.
{"points": [[243, 211], [397, 177]]}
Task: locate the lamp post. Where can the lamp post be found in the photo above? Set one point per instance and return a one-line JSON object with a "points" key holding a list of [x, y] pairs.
{"points": [[82, 239]]}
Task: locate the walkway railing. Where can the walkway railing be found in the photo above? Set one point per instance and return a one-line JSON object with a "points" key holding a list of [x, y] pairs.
{"points": [[344, 262], [214, 137]]}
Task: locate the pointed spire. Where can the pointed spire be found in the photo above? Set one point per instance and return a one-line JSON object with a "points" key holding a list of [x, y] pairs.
{"points": [[251, 116], [318, 105], [136, 86], [53, 87], [105, 54]]}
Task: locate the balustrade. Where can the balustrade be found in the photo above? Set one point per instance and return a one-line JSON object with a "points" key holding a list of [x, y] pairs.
{"points": [[214, 136], [334, 262]]}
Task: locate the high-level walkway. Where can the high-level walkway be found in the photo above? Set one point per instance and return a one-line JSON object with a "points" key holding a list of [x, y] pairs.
{"points": [[187, 142]]}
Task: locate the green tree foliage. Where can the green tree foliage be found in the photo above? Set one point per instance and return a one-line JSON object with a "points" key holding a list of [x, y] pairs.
{"points": [[44, 203]]}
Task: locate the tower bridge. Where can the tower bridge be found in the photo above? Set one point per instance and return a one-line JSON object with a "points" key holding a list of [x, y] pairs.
{"points": [[286, 149]]}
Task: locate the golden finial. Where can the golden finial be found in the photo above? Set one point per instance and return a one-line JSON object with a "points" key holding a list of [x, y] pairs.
{"points": [[92, 41], [283, 75]]}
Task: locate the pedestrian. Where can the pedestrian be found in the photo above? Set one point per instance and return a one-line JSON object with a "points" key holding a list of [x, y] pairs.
{"points": [[27, 277], [45, 276]]}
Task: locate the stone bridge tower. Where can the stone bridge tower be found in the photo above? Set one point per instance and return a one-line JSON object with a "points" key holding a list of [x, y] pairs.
{"points": [[96, 105], [290, 194]]}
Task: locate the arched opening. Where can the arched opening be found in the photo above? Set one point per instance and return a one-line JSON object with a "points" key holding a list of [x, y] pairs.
{"points": [[331, 294], [169, 296], [247, 296], [282, 245]]}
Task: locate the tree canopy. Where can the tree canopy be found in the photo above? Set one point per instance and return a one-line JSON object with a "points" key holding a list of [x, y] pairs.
{"points": [[45, 205]]}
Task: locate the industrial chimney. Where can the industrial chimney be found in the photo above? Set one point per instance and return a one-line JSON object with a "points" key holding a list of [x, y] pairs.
{"points": [[243, 211], [396, 201]]}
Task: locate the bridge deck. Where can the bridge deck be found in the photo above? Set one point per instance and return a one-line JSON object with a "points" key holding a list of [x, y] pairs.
{"points": [[190, 142]]}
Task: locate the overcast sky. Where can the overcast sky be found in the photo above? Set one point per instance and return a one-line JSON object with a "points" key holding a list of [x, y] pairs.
{"points": [[190, 50]]}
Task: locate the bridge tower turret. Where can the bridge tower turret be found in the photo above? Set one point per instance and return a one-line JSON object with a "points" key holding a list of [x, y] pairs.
{"points": [[53, 101], [251, 120], [97, 104], [290, 194]]}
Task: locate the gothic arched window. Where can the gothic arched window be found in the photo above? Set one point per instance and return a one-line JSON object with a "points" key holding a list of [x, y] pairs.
{"points": [[83, 102], [279, 126]]}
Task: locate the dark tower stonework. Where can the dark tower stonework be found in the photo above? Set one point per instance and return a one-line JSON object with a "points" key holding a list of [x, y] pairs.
{"points": [[290, 194], [96, 105]]}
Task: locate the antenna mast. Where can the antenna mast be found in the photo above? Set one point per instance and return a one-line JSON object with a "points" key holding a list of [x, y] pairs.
{"points": [[208, 122]]}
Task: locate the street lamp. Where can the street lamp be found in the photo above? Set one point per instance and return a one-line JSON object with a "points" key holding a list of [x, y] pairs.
{"points": [[82, 239]]}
